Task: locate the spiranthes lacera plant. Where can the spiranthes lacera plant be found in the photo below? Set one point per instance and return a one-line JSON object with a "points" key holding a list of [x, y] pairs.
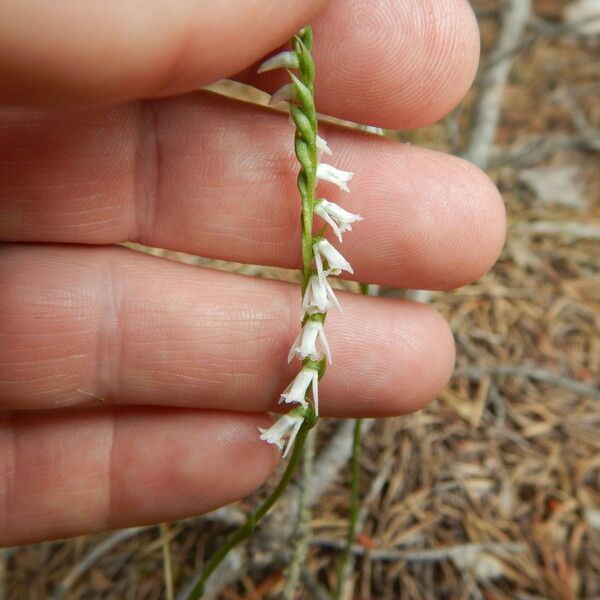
{"points": [[320, 261]]}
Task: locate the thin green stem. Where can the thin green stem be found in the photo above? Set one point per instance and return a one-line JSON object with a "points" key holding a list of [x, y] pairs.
{"points": [[305, 146], [354, 511], [245, 531]]}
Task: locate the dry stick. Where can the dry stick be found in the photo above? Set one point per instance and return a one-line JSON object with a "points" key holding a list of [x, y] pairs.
{"points": [[302, 527], [532, 373], [581, 231], [487, 109], [92, 556], [434, 555], [376, 487], [343, 568], [3, 572], [167, 565], [537, 147]]}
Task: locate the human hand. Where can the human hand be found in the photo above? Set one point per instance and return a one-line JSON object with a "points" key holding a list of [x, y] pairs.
{"points": [[131, 387]]}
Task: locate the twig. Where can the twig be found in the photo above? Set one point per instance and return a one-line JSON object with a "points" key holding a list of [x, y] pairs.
{"points": [[344, 564], [435, 555], [313, 586], [489, 104], [302, 529], [167, 566], [334, 456], [92, 556], [3, 572], [542, 27], [531, 373], [582, 231], [538, 147]]}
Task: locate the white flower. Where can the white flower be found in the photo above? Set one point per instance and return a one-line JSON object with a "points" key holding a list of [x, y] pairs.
{"points": [[296, 391], [335, 261], [275, 434], [318, 297], [285, 93], [333, 175], [283, 60], [305, 345], [323, 146], [336, 216]]}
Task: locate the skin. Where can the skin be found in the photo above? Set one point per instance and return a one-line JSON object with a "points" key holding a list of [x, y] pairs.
{"points": [[131, 387]]}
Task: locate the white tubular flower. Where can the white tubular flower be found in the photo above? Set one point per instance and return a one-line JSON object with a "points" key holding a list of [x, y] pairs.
{"points": [[275, 434], [336, 176], [323, 146], [285, 93], [335, 261], [283, 60], [338, 218], [318, 297], [296, 391], [305, 345]]}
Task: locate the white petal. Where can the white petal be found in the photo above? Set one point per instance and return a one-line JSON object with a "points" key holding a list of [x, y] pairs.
{"points": [[319, 263], [335, 261], [308, 346], [315, 391], [325, 344], [325, 216], [331, 295], [294, 347], [283, 60], [285, 93], [323, 146], [335, 176], [293, 435], [319, 293], [296, 391], [341, 215], [317, 296]]}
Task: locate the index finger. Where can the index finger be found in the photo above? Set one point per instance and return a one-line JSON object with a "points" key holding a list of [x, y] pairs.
{"points": [[90, 52], [383, 62]]}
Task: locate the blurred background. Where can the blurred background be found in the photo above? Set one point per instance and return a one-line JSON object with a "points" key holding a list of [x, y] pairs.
{"points": [[493, 492]]}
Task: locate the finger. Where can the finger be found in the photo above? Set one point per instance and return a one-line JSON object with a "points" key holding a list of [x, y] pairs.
{"points": [[389, 63], [214, 177], [109, 325], [68, 473], [96, 52]]}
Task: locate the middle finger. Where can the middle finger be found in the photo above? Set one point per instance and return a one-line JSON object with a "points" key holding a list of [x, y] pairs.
{"points": [[211, 176]]}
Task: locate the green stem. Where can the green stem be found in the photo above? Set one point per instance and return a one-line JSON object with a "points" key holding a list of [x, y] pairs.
{"points": [[305, 146], [354, 511], [245, 531]]}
